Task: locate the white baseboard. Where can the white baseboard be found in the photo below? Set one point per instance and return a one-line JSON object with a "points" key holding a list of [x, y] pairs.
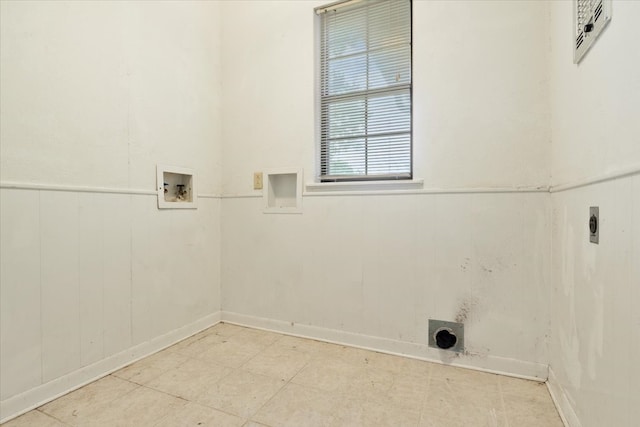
{"points": [[24, 402], [485, 363], [560, 399]]}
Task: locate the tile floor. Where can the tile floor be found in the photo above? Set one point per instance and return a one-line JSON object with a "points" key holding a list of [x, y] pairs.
{"points": [[233, 376]]}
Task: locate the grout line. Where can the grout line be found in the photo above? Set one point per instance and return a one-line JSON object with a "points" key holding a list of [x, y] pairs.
{"points": [[51, 416], [273, 396], [423, 405], [504, 405], [232, 370], [287, 382]]}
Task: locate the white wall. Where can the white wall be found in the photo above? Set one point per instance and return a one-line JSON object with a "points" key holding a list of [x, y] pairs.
{"points": [[85, 85], [374, 269], [595, 320], [481, 116], [596, 288], [371, 270], [595, 104], [94, 94]]}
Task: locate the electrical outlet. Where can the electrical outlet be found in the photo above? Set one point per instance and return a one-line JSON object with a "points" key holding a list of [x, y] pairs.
{"points": [[257, 180], [594, 224]]}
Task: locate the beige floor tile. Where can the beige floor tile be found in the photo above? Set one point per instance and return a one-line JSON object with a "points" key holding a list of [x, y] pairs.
{"points": [[145, 370], [466, 377], [231, 353], [34, 418], [327, 374], [365, 382], [185, 342], [91, 398], [445, 399], [529, 420], [221, 329], [196, 337], [429, 420], [361, 412], [351, 355], [528, 411], [226, 329], [408, 392], [277, 362], [520, 387], [217, 333], [296, 405], [315, 348], [190, 380], [193, 414], [141, 407], [401, 365], [370, 383], [256, 336], [453, 420], [241, 393], [236, 376], [341, 375], [194, 348]]}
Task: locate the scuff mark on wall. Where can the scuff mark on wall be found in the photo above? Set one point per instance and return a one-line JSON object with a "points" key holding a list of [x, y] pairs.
{"points": [[465, 264], [466, 308], [474, 353]]}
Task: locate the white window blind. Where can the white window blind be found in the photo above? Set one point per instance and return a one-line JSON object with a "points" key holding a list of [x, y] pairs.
{"points": [[365, 90]]}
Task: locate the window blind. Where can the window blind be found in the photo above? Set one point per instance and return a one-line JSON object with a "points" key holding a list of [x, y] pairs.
{"points": [[365, 90]]}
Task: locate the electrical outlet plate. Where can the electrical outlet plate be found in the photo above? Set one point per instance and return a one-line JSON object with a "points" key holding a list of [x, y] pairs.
{"points": [[257, 180], [594, 224]]}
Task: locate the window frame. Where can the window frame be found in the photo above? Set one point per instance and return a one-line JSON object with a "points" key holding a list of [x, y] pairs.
{"points": [[323, 167]]}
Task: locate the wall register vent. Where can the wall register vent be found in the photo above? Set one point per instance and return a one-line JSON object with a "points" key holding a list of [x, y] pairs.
{"points": [[589, 17]]}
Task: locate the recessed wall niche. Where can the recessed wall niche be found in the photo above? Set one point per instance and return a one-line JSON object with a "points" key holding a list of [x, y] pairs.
{"points": [[176, 187], [282, 191]]}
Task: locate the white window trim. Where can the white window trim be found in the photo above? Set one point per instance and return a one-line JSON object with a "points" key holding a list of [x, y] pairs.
{"points": [[364, 186], [364, 183]]}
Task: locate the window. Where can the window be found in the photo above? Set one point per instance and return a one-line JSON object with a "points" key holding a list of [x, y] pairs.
{"points": [[365, 90]]}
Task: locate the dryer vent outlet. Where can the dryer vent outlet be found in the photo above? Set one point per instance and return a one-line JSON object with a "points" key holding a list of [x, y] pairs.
{"points": [[446, 335]]}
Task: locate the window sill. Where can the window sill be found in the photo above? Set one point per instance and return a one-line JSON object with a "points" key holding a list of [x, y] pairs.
{"points": [[323, 188]]}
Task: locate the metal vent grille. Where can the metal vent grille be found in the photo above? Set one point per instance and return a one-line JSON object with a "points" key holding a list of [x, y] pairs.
{"points": [[590, 18]]}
